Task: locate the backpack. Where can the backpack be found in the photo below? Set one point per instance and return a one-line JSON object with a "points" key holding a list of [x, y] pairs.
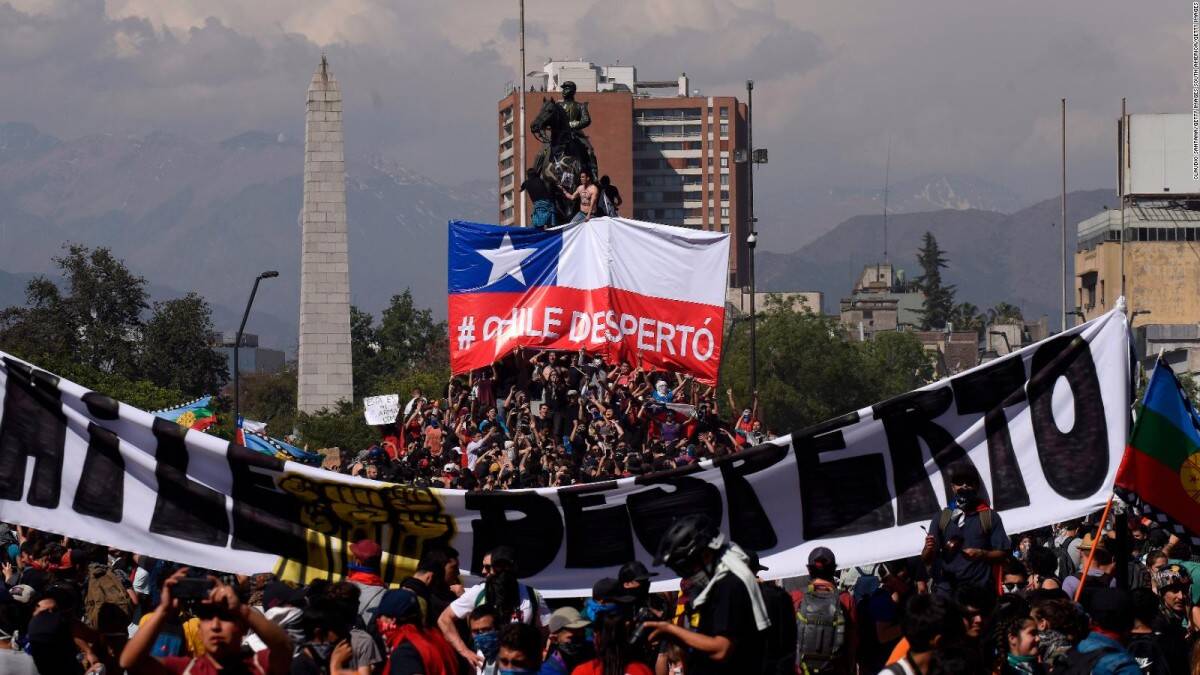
{"points": [[986, 521], [1066, 566], [530, 594], [1080, 663], [820, 630], [104, 588], [866, 583]]}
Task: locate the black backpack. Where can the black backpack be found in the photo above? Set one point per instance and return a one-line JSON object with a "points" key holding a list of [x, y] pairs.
{"points": [[985, 521], [1079, 663], [1066, 566]]}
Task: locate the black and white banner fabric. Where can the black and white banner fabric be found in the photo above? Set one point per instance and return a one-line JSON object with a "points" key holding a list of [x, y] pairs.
{"points": [[1045, 427]]}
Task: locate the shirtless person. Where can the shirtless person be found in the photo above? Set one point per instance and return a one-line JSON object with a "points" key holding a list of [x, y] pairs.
{"points": [[588, 195]]}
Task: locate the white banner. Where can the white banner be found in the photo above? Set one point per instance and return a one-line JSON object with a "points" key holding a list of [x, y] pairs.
{"points": [[381, 409], [1045, 427]]}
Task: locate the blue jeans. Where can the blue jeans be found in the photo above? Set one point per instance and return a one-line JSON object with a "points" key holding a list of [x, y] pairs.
{"points": [[543, 213], [579, 218]]}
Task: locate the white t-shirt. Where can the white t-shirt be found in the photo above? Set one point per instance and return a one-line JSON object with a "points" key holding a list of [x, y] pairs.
{"points": [[466, 602], [16, 663]]}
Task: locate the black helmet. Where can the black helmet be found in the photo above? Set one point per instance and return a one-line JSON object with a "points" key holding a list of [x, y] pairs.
{"points": [[568, 88], [684, 540]]}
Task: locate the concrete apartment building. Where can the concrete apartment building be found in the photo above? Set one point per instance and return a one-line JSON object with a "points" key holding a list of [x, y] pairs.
{"points": [[1160, 224], [669, 150]]}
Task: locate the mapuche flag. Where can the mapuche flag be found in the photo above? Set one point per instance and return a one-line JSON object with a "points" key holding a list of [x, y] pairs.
{"points": [[1161, 468], [624, 290], [196, 415]]}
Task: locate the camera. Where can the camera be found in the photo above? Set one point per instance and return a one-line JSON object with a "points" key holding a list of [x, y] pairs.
{"points": [[640, 630]]}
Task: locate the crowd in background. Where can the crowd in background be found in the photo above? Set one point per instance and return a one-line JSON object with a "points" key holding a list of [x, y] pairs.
{"points": [[549, 418], [974, 601]]}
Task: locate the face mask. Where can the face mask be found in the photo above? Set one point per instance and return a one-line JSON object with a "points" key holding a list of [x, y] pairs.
{"points": [[321, 650], [488, 644], [592, 610], [964, 498], [1012, 588], [699, 580], [572, 649]]}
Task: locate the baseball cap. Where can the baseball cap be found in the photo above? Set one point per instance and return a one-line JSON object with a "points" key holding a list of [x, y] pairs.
{"points": [[567, 617], [277, 594], [22, 593], [611, 590], [1111, 608], [634, 570], [1169, 576], [398, 603], [822, 558], [366, 549], [754, 564], [502, 555]]}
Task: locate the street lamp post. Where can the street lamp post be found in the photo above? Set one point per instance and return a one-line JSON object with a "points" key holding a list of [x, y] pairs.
{"points": [[750, 242], [237, 345]]}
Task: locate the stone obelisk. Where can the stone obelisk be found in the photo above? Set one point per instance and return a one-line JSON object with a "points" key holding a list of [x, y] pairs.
{"points": [[325, 363]]}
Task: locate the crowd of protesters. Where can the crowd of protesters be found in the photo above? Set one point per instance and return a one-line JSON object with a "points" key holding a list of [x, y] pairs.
{"points": [[975, 600], [551, 418]]}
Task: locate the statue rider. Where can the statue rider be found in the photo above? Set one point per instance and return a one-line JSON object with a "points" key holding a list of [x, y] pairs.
{"points": [[578, 120]]}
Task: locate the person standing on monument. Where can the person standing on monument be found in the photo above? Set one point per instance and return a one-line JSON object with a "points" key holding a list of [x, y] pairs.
{"points": [[540, 195], [588, 195]]}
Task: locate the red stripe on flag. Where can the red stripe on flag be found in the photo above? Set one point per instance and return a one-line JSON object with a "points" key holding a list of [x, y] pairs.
{"points": [[618, 325], [1158, 485]]}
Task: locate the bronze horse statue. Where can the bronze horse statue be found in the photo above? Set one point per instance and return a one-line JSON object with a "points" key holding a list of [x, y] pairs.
{"points": [[565, 154]]}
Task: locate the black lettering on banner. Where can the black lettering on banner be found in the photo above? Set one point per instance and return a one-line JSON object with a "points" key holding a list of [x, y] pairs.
{"points": [[101, 490], [907, 418], [844, 496], [34, 426], [749, 525], [101, 407], [184, 509], [989, 390], [652, 511], [265, 518], [1076, 462], [536, 537], [596, 536]]}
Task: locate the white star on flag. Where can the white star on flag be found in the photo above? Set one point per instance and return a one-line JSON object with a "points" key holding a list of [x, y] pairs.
{"points": [[506, 261]]}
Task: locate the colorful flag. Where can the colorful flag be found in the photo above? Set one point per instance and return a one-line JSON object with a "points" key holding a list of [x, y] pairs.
{"points": [[1160, 471], [629, 291], [197, 415]]}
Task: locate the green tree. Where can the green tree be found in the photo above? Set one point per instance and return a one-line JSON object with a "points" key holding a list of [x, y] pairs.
{"points": [[271, 398], [939, 297], [406, 340], [343, 427], [967, 316], [810, 372], [177, 347], [96, 322], [1004, 312]]}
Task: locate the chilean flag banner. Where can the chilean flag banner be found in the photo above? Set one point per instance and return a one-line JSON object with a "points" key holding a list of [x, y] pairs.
{"points": [[625, 290]]}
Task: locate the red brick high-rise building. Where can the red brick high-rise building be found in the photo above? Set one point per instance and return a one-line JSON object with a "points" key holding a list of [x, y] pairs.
{"points": [[672, 157]]}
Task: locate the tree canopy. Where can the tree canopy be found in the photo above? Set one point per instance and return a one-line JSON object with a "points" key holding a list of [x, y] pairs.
{"points": [[939, 297]]}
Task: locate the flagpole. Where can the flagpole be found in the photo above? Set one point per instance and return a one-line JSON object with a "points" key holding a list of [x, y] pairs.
{"points": [[1095, 544]]}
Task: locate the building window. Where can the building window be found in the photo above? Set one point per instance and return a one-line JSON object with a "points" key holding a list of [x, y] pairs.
{"points": [[724, 130], [1101, 292], [724, 195], [724, 162], [692, 163], [724, 113], [506, 162], [725, 180], [724, 211]]}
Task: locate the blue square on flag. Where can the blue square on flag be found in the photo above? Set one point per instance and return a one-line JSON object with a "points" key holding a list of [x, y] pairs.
{"points": [[494, 259]]}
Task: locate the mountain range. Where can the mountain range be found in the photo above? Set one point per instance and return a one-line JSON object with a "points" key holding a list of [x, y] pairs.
{"points": [[993, 257], [209, 216]]}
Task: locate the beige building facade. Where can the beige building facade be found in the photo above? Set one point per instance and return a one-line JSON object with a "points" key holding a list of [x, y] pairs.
{"points": [[1162, 264]]}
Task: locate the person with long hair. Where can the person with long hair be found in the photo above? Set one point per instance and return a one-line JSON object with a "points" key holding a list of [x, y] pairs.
{"points": [[1014, 639], [614, 654]]}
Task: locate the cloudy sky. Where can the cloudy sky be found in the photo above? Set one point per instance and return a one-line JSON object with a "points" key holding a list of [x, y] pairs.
{"points": [[956, 87]]}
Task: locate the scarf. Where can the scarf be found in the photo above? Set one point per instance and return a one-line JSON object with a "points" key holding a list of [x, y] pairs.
{"points": [[436, 654], [1020, 664], [365, 576], [733, 561]]}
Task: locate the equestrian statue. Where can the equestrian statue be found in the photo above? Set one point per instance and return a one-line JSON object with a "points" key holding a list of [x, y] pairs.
{"points": [[567, 150]]}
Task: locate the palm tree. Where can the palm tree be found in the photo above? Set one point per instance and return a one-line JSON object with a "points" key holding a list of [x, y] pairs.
{"points": [[1004, 312], [966, 316]]}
